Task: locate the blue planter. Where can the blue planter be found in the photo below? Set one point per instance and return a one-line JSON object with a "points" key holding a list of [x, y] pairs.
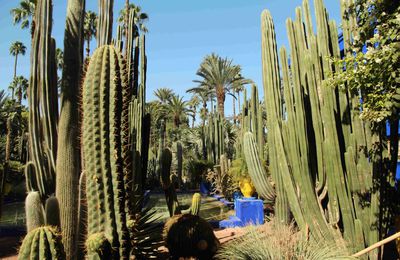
{"points": [[204, 188]]}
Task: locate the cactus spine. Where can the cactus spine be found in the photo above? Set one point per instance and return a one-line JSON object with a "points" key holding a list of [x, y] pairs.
{"points": [[42, 243]]}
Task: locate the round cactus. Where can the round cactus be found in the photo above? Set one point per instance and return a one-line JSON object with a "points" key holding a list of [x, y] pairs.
{"points": [[190, 236], [98, 246], [42, 243]]}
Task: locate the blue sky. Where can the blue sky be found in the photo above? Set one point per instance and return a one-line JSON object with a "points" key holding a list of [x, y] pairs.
{"points": [[180, 34]]}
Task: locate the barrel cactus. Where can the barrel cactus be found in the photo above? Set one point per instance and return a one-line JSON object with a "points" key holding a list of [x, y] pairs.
{"points": [[190, 236], [42, 243]]}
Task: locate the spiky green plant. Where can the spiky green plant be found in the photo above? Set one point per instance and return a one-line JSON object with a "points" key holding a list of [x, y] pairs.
{"points": [[42, 243], [277, 241]]}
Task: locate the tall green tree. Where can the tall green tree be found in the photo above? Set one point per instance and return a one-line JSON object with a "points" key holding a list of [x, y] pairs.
{"points": [[89, 29], [177, 110], [164, 94], [16, 49], [219, 74], [193, 103], [20, 86], [23, 14]]}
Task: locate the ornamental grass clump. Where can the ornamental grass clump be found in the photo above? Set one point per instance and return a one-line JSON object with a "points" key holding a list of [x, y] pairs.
{"points": [[278, 241]]}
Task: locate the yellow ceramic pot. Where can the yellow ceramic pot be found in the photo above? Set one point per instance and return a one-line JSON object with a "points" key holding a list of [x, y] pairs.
{"points": [[246, 187]]}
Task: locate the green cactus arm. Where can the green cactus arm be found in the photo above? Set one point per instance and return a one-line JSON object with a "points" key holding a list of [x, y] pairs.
{"points": [[256, 171]]}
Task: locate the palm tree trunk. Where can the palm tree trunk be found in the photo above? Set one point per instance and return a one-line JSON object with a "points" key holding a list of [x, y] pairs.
{"points": [[88, 46], [238, 94], [15, 73], [234, 110], [69, 161], [19, 95], [221, 100], [203, 136], [15, 65]]}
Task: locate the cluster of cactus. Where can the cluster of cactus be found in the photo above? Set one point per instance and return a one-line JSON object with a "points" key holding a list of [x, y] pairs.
{"points": [[252, 121], [317, 144], [112, 110], [189, 235], [215, 137]]}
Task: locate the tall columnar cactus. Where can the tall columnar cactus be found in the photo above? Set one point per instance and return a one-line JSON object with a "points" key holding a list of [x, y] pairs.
{"points": [[320, 146], [256, 169], [104, 153], [42, 99], [105, 22], [42, 243], [272, 97], [179, 162], [215, 137], [167, 184], [69, 152]]}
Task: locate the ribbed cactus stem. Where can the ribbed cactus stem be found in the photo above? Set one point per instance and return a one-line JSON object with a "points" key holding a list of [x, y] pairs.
{"points": [[105, 22], [196, 202], [42, 100], [69, 159], [42, 243], [103, 150], [257, 172], [272, 96]]}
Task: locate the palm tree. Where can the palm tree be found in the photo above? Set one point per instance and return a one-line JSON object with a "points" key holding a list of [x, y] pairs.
{"points": [[139, 18], [89, 29], [164, 94], [193, 103], [219, 74], [20, 85], [59, 58], [16, 48], [23, 14], [177, 109]]}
